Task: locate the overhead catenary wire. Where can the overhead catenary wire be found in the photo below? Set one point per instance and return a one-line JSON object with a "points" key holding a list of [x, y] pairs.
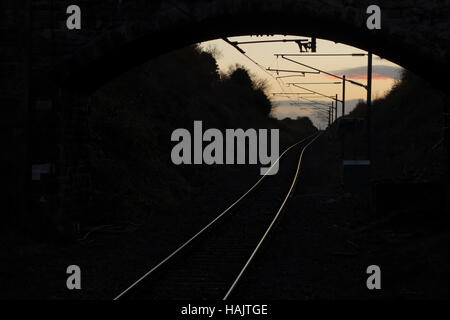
{"points": [[269, 41], [305, 83], [322, 71], [291, 76], [282, 86], [252, 60], [321, 54], [320, 94], [293, 71]]}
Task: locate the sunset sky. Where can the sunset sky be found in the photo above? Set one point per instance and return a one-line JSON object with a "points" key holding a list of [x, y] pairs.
{"points": [[384, 72]]}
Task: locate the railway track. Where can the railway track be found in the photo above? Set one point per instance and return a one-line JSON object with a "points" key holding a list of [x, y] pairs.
{"points": [[211, 263]]}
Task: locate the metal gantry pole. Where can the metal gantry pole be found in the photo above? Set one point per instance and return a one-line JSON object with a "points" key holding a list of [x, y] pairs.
{"points": [[332, 112], [369, 103], [329, 117], [343, 95], [336, 107]]}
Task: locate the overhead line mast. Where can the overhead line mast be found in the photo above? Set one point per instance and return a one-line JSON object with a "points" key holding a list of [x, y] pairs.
{"points": [[309, 46]]}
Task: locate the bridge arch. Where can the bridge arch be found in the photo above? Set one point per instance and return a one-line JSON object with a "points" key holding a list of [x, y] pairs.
{"points": [[410, 33]]}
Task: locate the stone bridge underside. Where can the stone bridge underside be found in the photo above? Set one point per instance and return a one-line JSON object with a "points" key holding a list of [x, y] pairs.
{"points": [[48, 71]]}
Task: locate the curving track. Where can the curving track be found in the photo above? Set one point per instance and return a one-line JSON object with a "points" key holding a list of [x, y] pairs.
{"points": [[210, 264]]}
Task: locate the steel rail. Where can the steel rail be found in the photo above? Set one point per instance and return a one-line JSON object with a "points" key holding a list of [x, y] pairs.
{"points": [[294, 182], [209, 224]]}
